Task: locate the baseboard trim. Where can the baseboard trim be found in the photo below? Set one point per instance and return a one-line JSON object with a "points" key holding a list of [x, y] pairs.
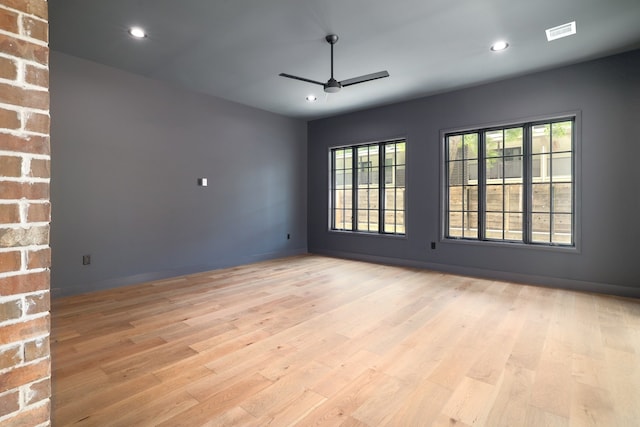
{"points": [[546, 281], [553, 282], [101, 285]]}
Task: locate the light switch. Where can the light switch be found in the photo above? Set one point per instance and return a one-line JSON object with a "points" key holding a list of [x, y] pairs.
{"points": [[202, 182]]}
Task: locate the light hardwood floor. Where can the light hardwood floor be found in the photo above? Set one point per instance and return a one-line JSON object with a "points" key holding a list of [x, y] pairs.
{"points": [[317, 341]]}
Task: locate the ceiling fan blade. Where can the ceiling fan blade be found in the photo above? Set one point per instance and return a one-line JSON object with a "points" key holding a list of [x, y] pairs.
{"points": [[365, 78], [301, 79]]}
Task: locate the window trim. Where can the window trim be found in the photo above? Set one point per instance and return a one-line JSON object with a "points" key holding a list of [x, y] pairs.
{"points": [[576, 115], [355, 146]]}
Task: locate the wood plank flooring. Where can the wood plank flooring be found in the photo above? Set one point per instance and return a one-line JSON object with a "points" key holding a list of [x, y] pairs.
{"points": [[317, 341]]}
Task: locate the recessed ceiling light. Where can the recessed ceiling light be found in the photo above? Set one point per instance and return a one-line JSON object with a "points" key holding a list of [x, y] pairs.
{"points": [[561, 31], [499, 45], [311, 98], [137, 32]]}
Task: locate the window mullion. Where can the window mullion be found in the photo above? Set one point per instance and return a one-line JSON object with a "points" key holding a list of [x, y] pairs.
{"points": [[381, 186], [551, 204], [354, 189], [482, 182], [465, 204], [527, 184], [504, 181]]}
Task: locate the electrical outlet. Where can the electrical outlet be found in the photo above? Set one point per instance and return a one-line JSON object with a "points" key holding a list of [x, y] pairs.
{"points": [[86, 259], [433, 245], [288, 236]]}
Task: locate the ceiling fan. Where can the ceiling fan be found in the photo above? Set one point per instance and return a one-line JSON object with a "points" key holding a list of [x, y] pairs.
{"points": [[332, 85]]}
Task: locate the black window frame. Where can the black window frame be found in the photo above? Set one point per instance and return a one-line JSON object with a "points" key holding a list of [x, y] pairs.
{"points": [[527, 183], [386, 178]]}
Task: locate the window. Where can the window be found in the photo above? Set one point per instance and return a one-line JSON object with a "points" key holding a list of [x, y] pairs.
{"points": [[368, 188], [512, 183]]}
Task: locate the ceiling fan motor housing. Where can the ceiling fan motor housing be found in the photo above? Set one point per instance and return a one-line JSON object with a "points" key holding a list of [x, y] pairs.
{"points": [[332, 86]]}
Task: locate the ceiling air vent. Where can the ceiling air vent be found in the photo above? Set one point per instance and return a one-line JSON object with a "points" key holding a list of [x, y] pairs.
{"points": [[560, 31]]}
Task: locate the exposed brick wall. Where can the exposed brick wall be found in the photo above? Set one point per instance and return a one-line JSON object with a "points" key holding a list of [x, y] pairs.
{"points": [[25, 256]]}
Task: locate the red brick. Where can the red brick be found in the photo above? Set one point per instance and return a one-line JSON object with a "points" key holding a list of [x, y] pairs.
{"points": [[39, 259], [35, 28], [10, 356], [10, 310], [28, 236], [36, 122], [11, 166], [25, 283], [25, 374], [8, 69], [9, 403], [24, 190], [16, 95], [32, 7], [23, 331], [39, 391], [40, 168], [9, 119], [9, 21], [24, 49], [9, 213], [39, 212], [33, 378], [38, 303], [36, 76], [36, 349], [32, 144], [32, 416], [9, 261]]}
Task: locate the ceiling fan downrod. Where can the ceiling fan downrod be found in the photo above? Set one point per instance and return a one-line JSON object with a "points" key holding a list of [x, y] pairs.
{"points": [[332, 86]]}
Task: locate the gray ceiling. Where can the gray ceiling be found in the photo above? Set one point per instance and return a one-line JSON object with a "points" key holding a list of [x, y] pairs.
{"points": [[235, 49]]}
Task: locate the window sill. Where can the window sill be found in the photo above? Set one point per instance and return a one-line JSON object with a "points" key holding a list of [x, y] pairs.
{"points": [[510, 245], [367, 234]]}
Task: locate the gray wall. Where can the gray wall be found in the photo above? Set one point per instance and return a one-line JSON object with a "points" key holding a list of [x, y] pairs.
{"points": [[127, 152], [606, 92]]}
